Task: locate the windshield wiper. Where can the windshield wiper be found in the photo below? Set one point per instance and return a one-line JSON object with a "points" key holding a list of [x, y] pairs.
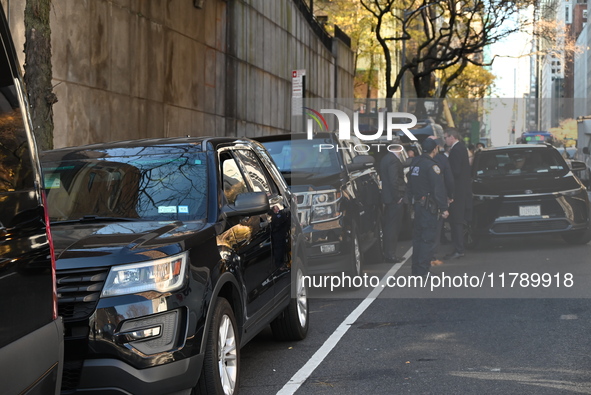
{"points": [[94, 218]]}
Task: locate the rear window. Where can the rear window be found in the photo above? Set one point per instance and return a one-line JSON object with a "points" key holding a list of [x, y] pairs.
{"points": [[515, 163]]}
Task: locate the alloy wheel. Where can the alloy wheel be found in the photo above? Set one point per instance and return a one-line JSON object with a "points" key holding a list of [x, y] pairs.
{"points": [[227, 357], [302, 299]]}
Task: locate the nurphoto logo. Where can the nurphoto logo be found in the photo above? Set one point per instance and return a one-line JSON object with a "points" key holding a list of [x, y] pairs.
{"points": [[391, 119]]}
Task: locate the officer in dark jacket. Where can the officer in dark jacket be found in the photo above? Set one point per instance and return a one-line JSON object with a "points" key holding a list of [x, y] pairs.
{"points": [[393, 194], [448, 179], [427, 191]]}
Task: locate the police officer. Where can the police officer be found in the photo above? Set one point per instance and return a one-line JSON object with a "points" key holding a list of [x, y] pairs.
{"points": [[427, 191]]}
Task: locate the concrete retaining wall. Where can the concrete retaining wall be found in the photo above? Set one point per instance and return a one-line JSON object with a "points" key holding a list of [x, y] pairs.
{"points": [[127, 69]]}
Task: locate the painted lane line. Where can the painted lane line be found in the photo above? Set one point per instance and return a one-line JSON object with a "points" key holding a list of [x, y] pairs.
{"points": [[302, 375]]}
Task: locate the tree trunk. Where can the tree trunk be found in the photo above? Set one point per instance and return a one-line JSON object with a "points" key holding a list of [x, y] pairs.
{"points": [[38, 72]]}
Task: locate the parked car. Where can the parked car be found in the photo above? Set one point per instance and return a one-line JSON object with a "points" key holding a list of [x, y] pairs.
{"points": [[528, 189], [169, 259], [31, 333], [338, 197]]}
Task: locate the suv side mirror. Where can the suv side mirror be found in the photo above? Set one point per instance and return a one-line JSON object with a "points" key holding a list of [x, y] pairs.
{"points": [[361, 162], [248, 203], [577, 165], [586, 150]]}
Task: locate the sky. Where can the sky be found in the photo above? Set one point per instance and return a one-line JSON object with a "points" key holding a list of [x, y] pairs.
{"points": [[512, 68]]}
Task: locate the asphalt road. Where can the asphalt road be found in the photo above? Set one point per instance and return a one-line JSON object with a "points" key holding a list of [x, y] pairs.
{"points": [[528, 335]]}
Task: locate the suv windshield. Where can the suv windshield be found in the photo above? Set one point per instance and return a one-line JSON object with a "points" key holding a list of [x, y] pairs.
{"points": [[305, 156], [519, 162], [152, 187]]}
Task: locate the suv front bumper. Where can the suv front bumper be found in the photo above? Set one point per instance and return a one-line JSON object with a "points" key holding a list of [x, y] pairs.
{"points": [[111, 376]]}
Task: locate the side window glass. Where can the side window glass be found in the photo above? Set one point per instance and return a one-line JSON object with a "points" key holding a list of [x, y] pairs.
{"points": [[256, 173], [347, 158], [355, 142], [232, 179], [16, 172]]}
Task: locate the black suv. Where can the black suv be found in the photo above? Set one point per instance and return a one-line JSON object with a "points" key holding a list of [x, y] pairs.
{"points": [[528, 189], [171, 255], [338, 193], [31, 333]]}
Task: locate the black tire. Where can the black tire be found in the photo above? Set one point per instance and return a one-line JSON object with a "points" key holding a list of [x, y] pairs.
{"points": [[228, 362], [356, 257], [376, 252], [581, 237], [293, 322]]}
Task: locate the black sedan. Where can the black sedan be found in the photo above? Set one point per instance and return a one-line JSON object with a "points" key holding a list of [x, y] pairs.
{"points": [[527, 189], [171, 255]]}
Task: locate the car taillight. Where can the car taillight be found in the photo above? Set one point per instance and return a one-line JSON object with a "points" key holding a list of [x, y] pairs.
{"points": [[51, 253]]}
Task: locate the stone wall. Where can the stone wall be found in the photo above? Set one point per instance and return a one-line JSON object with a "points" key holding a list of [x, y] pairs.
{"points": [[127, 69]]}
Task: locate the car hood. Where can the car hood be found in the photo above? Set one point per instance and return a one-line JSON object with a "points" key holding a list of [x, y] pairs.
{"points": [[315, 182], [516, 185], [106, 244]]}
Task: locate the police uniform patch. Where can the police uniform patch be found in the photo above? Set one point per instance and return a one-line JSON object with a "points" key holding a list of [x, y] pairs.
{"points": [[414, 171], [436, 169]]}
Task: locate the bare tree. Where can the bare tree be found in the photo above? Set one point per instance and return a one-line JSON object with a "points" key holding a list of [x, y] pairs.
{"points": [[438, 34], [38, 71]]}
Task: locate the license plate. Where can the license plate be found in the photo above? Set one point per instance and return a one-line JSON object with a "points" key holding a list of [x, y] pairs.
{"points": [[528, 211]]}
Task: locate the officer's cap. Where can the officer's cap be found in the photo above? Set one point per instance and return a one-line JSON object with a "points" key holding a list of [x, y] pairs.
{"points": [[428, 145]]}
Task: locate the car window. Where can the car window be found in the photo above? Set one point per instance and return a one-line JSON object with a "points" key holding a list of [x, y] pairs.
{"points": [[232, 179], [16, 171], [255, 172], [519, 163], [347, 154]]}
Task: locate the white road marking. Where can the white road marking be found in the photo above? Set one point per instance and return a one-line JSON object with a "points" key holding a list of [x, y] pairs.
{"points": [[569, 317], [8, 275], [302, 375]]}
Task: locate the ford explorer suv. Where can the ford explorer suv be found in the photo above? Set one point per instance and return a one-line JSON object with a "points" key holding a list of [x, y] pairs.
{"points": [[171, 255]]}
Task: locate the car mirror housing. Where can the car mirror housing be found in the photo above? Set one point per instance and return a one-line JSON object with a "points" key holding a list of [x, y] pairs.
{"points": [[577, 165], [248, 203]]}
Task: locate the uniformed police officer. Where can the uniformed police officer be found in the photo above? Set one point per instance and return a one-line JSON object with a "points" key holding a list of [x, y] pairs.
{"points": [[427, 191]]}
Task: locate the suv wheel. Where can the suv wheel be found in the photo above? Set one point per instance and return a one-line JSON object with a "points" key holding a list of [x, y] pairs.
{"points": [[221, 367], [581, 237], [292, 323], [376, 253], [356, 256]]}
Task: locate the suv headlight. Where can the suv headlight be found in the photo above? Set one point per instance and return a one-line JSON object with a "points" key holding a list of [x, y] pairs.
{"points": [[325, 206], [162, 275]]}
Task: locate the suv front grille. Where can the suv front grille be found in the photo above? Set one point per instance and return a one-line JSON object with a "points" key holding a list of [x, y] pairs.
{"points": [[78, 292]]}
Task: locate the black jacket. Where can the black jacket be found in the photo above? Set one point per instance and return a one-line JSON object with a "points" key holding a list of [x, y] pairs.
{"points": [[425, 179], [448, 178], [460, 167], [392, 175]]}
